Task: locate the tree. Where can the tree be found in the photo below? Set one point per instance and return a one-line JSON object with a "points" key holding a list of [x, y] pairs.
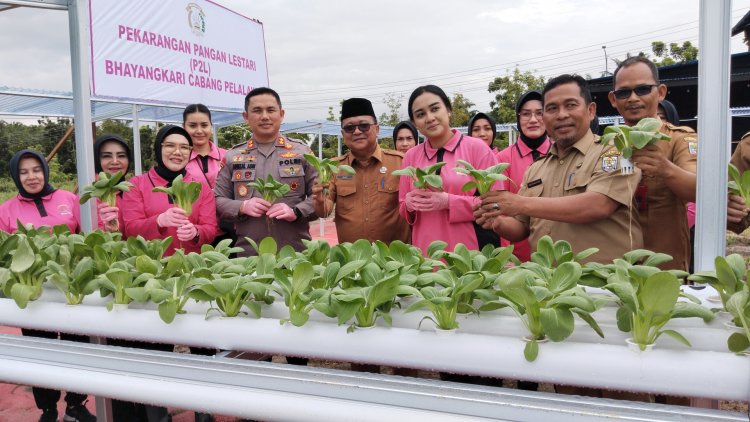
{"points": [[393, 102], [461, 110], [676, 54], [509, 88], [230, 136]]}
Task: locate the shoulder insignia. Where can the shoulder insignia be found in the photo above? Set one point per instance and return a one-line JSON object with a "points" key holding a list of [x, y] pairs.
{"points": [[610, 161], [684, 129], [393, 152], [250, 144], [241, 144], [692, 144], [289, 146]]}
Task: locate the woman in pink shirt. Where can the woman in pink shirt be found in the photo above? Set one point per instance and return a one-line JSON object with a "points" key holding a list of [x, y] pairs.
{"points": [[111, 155], [37, 202], [531, 144], [205, 158], [446, 214], [152, 215]]}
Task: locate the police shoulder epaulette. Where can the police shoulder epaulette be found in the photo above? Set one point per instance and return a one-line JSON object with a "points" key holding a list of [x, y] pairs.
{"points": [[241, 144], [685, 129]]}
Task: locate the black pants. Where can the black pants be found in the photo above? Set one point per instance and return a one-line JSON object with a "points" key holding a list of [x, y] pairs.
{"points": [[47, 398]]}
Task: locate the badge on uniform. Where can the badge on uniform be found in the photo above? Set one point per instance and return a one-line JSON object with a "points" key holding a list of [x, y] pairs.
{"points": [[281, 142], [383, 170], [242, 190], [250, 144], [223, 162], [293, 186], [291, 171], [237, 158], [692, 145], [610, 162], [289, 155]]}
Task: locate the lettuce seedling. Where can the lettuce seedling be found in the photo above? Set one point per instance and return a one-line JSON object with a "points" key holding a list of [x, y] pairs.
{"points": [[105, 188], [24, 278], [739, 183], [648, 301], [423, 178], [183, 194], [483, 179], [76, 281], [444, 302], [299, 296], [327, 169], [546, 300], [629, 138], [739, 306], [122, 282], [270, 189]]}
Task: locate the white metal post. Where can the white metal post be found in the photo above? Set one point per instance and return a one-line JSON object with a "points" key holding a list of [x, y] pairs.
{"points": [[78, 22], [321, 221], [713, 131], [138, 165]]}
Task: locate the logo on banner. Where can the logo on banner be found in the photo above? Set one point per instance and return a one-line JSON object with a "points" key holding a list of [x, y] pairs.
{"points": [[196, 19]]}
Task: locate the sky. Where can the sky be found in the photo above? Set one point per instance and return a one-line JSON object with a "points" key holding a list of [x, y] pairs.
{"points": [[320, 52]]}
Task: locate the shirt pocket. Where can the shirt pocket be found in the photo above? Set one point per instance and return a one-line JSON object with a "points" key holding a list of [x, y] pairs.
{"points": [[575, 183], [294, 176], [535, 191], [345, 195], [388, 192]]}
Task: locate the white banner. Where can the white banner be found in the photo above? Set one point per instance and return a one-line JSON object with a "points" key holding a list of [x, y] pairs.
{"points": [[175, 51]]}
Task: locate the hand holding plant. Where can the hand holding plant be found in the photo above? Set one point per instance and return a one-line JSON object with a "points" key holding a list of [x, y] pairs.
{"points": [[423, 178], [629, 138], [270, 189], [183, 194], [327, 169], [483, 179], [106, 188], [740, 183]]}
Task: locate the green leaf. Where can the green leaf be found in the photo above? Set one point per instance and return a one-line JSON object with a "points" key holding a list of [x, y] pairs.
{"points": [[558, 323], [565, 277], [23, 258], [167, 311], [531, 351], [659, 294], [677, 336], [738, 342]]}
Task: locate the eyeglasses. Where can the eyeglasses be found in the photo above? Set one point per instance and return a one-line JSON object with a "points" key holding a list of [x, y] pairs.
{"points": [[363, 127], [526, 115], [170, 148], [640, 90]]}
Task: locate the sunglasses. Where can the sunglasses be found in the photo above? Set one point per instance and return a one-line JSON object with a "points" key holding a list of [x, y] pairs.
{"points": [[640, 90], [363, 127]]}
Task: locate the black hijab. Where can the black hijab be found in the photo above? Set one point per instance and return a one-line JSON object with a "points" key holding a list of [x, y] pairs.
{"points": [[484, 116], [532, 143], [110, 138], [160, 168], [670, 111], [405, 125], [15, 161]]}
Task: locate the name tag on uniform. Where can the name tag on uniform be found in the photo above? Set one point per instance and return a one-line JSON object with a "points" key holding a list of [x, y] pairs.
{"points": [[344, 176], [533, 183]]}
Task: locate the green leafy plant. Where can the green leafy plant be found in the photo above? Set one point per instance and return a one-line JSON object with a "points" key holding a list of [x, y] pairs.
{"points": [[648, 301], [739, 183], [27, 272], [728, 278], [546, 299], [183, 194], [123, 282], [75, 280], [105, 188], [739, 306], [423, 178], [443, 301], [299, 296], [327, 169], [483, 179], [629, 138], [270, 189]]}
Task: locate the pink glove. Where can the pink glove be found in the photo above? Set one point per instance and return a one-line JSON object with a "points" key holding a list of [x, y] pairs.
{"points": [[108, 215], [427, 200], [255, 207], [173, 217], [281, 211], [409, 200], [187, 232]]}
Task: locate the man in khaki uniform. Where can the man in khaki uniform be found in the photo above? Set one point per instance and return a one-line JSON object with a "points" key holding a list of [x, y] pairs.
{"points": [[366, 202], [577, 192], [267, 152], [668, 167], [737, 210]]}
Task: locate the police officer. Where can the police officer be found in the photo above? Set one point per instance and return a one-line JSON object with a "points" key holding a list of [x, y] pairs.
{"points": [[577, 192], [668, 167], [266, 153]]}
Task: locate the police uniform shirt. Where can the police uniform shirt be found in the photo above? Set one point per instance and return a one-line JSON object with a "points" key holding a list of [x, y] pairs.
{"points": [[587, 166], [662, 214], [367, 202], [245, 163]]}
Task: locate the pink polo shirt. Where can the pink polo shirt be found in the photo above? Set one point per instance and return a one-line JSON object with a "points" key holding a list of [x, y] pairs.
{"points": [[519, 157], [140, 208], [195, 167], [452, 225], [60, 207]]}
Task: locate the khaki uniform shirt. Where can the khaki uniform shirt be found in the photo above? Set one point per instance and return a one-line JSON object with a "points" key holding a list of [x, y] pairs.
{"points": [[741, 160], [663, 215], [367, 202], [587, 166], [245, 163]]}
